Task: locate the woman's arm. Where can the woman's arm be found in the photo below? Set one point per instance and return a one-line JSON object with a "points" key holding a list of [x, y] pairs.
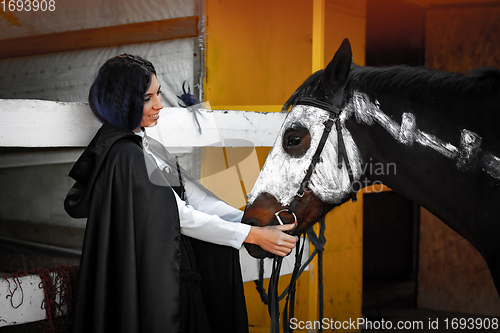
{"points": [[213, 229], [210, 227]]}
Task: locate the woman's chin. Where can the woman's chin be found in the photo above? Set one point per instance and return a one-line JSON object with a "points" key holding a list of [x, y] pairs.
{"points": [[152, 123]]}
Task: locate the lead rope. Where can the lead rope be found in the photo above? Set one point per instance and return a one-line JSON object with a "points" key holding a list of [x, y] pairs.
{"points": [[288, 314], [319, 245], [272, 300], [273, 304]]}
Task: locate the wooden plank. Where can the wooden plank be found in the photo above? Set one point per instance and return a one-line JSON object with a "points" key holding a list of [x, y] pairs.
{"points": [[318, 35], [36, 123], [257, 108], [21, 303], [144, 32], [220, 128]]}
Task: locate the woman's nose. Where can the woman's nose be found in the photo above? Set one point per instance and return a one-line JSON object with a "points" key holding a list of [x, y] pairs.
{"points": [[158, 103]]}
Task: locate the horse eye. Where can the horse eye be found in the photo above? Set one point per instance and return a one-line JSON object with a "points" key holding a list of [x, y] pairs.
{"points": [[294, 140]]}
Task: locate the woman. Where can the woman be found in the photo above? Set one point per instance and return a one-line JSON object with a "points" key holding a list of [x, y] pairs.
{"points": [[137, 273]]}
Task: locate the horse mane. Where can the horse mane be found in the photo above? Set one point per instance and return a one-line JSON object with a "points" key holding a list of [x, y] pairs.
{"points": [[306, 89], [418, 83], [422, 83]]}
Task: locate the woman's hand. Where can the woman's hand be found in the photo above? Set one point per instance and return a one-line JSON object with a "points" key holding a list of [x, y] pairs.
{"points": [[273, 239]]}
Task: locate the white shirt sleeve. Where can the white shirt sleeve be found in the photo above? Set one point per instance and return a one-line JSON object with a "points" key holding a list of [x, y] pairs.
{"points": [[209, 227]]}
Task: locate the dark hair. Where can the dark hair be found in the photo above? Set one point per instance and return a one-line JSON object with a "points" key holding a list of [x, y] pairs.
{"points": [[117, 94]]}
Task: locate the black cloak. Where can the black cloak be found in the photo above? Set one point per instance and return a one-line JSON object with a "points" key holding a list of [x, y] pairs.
{"points": [[137, 274]]}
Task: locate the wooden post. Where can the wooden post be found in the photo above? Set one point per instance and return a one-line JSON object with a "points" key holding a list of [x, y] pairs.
{"points": [[318, 35]]}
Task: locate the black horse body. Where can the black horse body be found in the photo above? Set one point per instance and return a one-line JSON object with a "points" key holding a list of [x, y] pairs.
{"points": [[462, 190], [466, 198]]}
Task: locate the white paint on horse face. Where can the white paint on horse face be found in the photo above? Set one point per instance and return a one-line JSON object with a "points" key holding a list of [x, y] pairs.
{"points": [[282, 174]]}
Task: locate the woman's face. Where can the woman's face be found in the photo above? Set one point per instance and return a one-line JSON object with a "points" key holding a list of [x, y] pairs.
{"points": [[152, 104]]}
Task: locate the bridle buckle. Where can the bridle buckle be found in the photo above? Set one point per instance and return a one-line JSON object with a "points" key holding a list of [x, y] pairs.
{"points": [[277, 214]]}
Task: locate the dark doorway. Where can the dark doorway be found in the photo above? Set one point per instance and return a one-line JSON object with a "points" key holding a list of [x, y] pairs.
{"points": [[390, 248], [395, 33]]}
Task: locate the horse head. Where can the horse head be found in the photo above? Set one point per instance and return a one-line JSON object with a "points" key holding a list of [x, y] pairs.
{"points": [[314, 161]]}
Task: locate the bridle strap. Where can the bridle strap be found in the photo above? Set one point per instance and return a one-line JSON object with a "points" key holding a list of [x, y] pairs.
{"points": [[273, 298], [342, 152], [319, 104], [288, 313], [314, 161], [342, 155]]}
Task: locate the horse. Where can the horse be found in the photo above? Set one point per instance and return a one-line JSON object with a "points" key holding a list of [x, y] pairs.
{"points": [[437, 133]]}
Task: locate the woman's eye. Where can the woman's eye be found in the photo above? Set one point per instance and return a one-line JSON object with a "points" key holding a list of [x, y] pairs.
{"points": [[159, 92], [294, 140]]}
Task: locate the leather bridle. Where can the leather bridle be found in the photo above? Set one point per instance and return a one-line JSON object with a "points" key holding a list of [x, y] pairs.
{"points": [[334, 118], [273, 301]]}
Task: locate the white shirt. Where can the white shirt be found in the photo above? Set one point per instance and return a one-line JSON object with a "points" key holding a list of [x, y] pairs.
{"points": [[200, 215]]}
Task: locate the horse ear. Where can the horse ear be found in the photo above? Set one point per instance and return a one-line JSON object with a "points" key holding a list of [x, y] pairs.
{"points": [[336, 73]]}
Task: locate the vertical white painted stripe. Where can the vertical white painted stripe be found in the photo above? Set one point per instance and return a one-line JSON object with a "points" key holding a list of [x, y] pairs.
{"points": [[407, 129], [470, 144]]}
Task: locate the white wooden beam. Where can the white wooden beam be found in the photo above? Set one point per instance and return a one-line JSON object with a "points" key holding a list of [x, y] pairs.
{"points": [[21, 303], [219, 128], [36, 123]]}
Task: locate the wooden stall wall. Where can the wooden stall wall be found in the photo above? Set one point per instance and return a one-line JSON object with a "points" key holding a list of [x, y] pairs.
{"points": [[463, 37], [343, 255], [345, 19], [257, 53], [452, 274]]}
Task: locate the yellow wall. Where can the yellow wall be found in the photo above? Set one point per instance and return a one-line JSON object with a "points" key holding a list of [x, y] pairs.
{"points": [[258, 53], [345, 19]]}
